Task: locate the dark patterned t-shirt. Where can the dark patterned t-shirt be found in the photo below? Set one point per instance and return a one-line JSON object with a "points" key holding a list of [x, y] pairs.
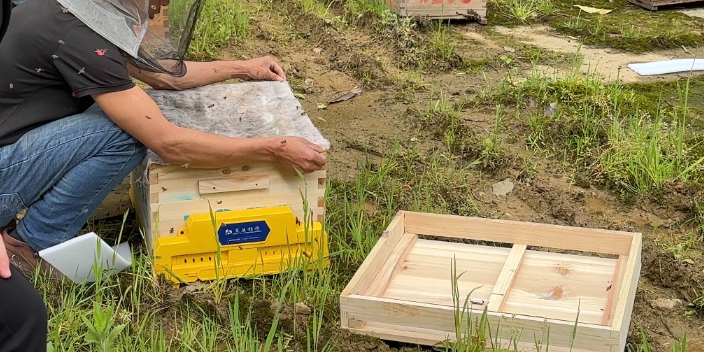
{"points": [[50, 64], [5, 7]]}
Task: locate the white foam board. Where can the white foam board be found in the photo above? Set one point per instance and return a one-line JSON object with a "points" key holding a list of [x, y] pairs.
{"points": [[667, 66], [77, 257]]}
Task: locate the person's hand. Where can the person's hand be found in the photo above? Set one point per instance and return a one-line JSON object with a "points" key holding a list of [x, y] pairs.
{"points": [[299, 153], [265, 68], [4, 261]]}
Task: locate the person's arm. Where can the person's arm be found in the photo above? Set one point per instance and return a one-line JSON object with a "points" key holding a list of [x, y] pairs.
{"points": [[135, 112], [203, 73]]}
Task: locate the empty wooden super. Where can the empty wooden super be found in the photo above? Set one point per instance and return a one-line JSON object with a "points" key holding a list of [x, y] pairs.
{"points": [[577, 296]]}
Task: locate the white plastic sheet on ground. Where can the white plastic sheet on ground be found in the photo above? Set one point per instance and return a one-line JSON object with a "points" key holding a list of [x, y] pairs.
{"points": [[78, 257], [667, 66]]}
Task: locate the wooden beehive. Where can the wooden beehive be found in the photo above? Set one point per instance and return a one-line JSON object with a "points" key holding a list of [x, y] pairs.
{"points": [[174, 192], [655, 4], [403, 290], [164, 195], [441, 9]]}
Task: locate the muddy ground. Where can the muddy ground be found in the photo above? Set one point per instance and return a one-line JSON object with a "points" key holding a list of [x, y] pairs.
{"points": [[323, 61]]}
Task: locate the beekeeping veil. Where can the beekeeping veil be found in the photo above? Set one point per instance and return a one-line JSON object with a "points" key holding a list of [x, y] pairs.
{"points": [[151, 43]]}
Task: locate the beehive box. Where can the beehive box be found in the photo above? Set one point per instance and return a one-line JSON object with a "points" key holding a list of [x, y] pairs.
{"points": [[441, 9], [403, 291], [166, 196]]}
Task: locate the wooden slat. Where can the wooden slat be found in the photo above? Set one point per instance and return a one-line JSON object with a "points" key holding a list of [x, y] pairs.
{"points": [[626, 295], [560, 286], [437, 291], [233, 184], [392, 265], [508, 272], [531, 234], [610, 308], [420, 336], [450, 249], [187, 186], [363, 278], [418, 315], [587, 308], [426, 275]]}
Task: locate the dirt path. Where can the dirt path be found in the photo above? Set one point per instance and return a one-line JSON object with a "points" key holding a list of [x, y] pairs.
{"points": [[611, 64]]}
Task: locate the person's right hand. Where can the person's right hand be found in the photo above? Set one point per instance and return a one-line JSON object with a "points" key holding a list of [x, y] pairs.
{"points": [[4, 261], [299, 153]]}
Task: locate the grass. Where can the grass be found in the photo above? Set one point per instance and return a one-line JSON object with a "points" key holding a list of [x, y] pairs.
{"points": [[619, 137], [627, 27], [220, 22], [133, 312]]}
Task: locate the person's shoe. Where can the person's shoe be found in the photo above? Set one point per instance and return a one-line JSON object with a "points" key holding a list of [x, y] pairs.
{"points": [[25, 259]]}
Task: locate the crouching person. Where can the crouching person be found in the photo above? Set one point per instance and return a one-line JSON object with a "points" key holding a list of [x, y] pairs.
{"points": [[23, 316]]}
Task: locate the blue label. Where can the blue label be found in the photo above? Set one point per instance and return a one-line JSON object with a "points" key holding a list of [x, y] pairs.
{"points": [[243, 232]]}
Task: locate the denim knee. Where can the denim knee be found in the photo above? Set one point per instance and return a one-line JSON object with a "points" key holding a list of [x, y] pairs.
{"points": [[10, 205]]}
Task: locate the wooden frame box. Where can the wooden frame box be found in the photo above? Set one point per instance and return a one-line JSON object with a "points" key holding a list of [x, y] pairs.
{"points": [[403, 290], [173, 201], [174, 192], [441, 9]]}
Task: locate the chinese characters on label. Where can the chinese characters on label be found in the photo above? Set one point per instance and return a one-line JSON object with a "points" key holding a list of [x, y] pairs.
{"points": [[243, 230], [247, 232]]}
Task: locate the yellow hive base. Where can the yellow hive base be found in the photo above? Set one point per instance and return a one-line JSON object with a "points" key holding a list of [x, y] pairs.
{"points": [[265, 241]]}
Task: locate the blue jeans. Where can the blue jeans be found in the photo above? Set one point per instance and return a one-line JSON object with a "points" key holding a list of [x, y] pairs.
{"points": [[60, 173]]}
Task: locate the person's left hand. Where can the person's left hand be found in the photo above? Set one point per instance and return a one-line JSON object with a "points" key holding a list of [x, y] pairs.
{"points": [[265, 68]]}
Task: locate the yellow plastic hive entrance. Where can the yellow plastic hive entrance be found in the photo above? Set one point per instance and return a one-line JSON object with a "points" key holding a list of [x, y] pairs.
{"points": [[239, 243]]}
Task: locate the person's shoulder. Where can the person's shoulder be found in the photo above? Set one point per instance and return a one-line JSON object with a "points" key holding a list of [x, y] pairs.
{"points": [[82, 33]]}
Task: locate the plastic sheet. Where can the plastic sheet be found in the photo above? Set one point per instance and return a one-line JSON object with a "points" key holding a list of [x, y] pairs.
{"points": [[667, 66]]}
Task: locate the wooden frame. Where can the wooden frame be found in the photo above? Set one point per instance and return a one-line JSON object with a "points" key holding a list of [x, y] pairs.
{"points": [[402, 291], [654, 4]]}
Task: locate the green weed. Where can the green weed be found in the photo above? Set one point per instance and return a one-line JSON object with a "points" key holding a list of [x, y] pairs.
{"points": [[376, 8], [524, 10], [314, 7], [679, 345], [442, 46], [102, 330], [219, 23], [605, 129]]}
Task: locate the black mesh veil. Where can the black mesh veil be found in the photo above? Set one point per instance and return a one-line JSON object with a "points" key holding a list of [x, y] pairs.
{"points": [[157, 45], [168, 37]]}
